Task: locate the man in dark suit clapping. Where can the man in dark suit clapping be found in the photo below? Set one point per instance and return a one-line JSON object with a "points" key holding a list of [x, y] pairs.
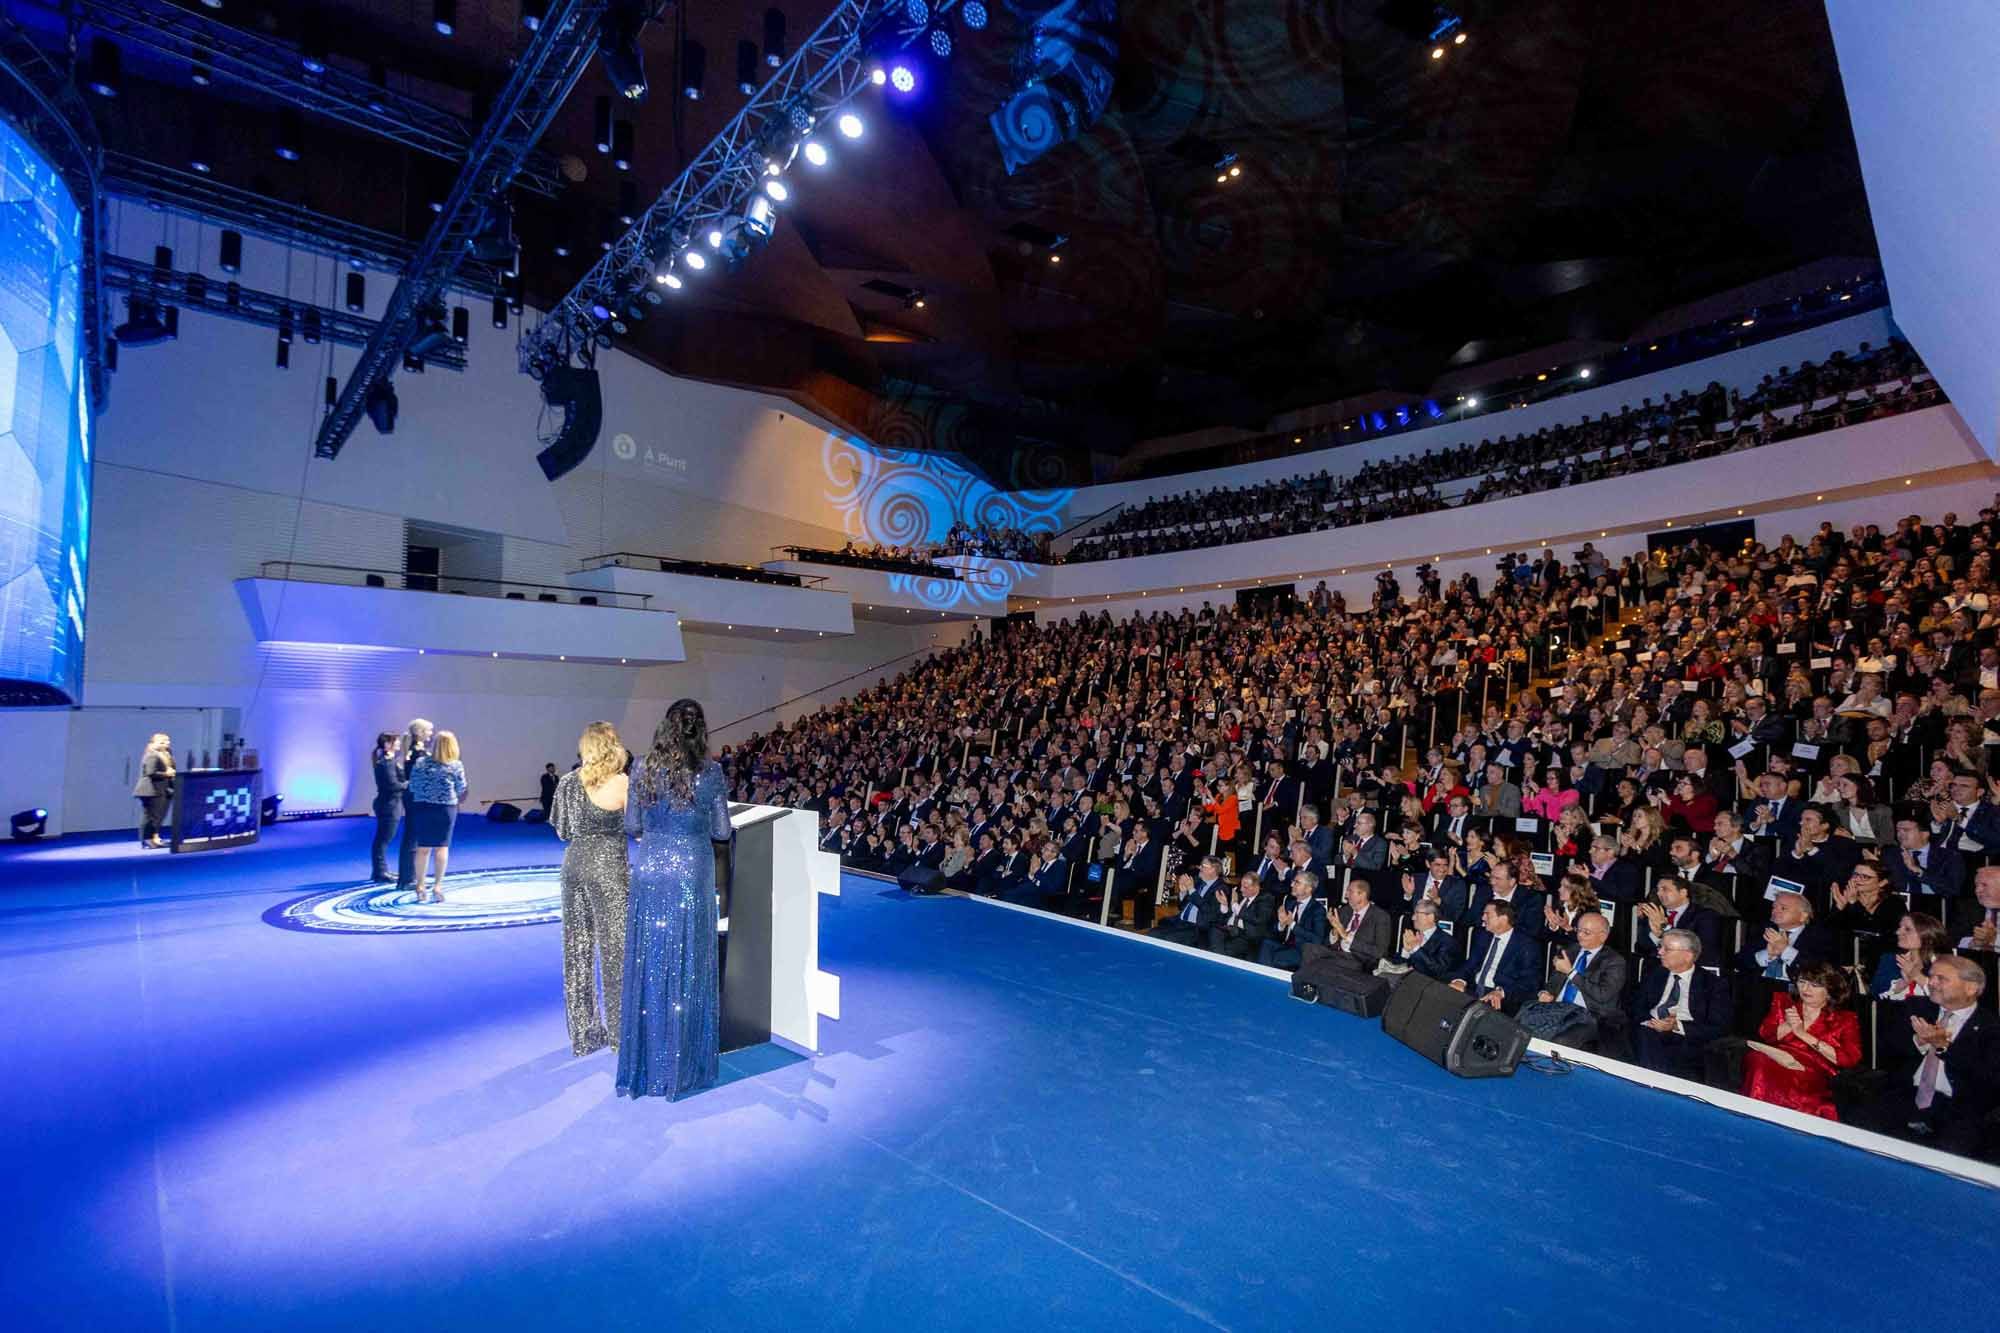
{"points": [[1583, 1000], [1674, 908], [1947, 1083], [1202, 905], [1360, 935], [1425, 947], [1247, 923], [1678, 1009], [1301, 922]]}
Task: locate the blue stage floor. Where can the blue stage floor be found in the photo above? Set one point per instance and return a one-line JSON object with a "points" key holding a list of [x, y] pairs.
{"points": [[208, 1122]]}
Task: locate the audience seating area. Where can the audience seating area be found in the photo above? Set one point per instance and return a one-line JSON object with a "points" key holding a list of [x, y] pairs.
{"points": [[1868, 383], [1750, 795]]}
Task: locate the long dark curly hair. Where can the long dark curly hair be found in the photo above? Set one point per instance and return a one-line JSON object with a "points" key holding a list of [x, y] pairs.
{"points": [[680, 748]]}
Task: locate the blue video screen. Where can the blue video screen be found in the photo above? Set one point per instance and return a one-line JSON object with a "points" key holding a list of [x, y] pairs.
{"points": [[45, 431]]}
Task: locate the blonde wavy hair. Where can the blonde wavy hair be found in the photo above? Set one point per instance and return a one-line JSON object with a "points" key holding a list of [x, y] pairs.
{"points": [[603, 754]]}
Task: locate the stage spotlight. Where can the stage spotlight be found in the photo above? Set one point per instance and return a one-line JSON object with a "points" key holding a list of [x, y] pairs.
{"points": [[695, 260], [917, 13], [493, 243], [972, 14], [500, 312], [270, 808], [30, 824], [903, 79], [147, 323], [618, 47], [312, 45], [628, 201], [746, 67], [1458, 40], [532, 14], [759, 217], [669, 279], [107, 75], [622, 140], [694, 69], [1437, 53], [878, 76], [444, 17], [381, 406], [284, 357], [1583, 374], [715, 238], [602, 122], [849, 125], [774, 38], [200, 72], [461, 324], [290, 132], [940, 40], [201, 158], [1472, 402], [431, 336], [776, 189], [815, 154]]}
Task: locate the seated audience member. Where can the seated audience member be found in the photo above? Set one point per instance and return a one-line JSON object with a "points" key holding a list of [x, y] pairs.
{"points": [[1425, 946], [1503, 886], [1007, 871], [1246, 924], [1584, 996], [1903, 973], [1678, 1009], [1918, 867], [1367, 849], [1046, 883], [1301, 922], [1673, 908], [1731, 851], [1807, 1037], [1617, 879], [1202, 904], [1448, 826], [1815, 858], [1502, 968], [1790, 941], [1448, 892], [1573, 897], [1360, 935], [1975, 921], [1496, 795], [1317, 835], [1138, 872], [1864, 904], [1692, 805], [1945, 1084], [1774, 814], [1270, 867]]}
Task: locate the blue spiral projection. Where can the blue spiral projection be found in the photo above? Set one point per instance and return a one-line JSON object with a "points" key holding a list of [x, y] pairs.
{"points": [[901, 497], [473, 900], [45, 422]]}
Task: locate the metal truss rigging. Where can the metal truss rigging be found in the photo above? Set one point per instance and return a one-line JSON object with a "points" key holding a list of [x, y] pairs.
{"points": [[826, 71], [541, 79], [294, 225], [248, 305], [273, 69]]}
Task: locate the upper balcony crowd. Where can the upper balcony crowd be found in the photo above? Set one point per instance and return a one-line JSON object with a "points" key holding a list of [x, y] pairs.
{"points": [[1864, 385], [1730, 814]]}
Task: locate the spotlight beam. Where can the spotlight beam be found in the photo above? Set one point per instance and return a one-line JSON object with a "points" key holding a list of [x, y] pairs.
{"points": [[826, 71], [557, 56]]}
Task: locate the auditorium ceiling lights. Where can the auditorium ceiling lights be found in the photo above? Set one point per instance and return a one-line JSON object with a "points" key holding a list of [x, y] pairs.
{"points": [[1301, 206]]}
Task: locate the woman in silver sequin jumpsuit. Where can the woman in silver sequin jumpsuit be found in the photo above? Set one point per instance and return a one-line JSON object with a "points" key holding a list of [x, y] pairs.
{"points": [[670, 1024], [589, 815]]}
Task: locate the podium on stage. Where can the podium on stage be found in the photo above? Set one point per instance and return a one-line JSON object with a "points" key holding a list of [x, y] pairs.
{"points": [[771, 983]]}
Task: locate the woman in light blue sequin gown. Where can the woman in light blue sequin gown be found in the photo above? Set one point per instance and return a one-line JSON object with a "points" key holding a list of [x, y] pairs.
{"points": [[671, 1011]]}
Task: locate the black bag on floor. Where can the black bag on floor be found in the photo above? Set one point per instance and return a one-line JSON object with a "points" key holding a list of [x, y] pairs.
{"points": [[1327, 981]]}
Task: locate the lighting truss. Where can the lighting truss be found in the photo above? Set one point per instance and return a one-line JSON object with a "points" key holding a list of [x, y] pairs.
{"points": [[562, 48], [46, 106], [825, 72], [294, 225], [272, 68], [232, 300]]}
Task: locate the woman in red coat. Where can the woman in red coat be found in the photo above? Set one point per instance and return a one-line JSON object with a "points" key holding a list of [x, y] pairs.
{"points": [[1815, 1033]]}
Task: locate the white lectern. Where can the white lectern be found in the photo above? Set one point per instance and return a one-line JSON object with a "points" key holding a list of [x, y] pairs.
{"points": [[771, 982]]}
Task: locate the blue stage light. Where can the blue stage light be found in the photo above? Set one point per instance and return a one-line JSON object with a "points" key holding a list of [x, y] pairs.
{"points": [[695, 260], [850, 125], [916, 12], [903, 79], [972, 14], [940, 43]]}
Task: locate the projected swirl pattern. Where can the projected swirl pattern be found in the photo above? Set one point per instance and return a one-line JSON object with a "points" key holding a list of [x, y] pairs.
{"points": [[906, 497], [474, 900]]}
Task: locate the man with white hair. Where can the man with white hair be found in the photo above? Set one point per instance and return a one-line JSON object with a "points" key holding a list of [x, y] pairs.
{"points": [[1947, 1081], [418, 741]]}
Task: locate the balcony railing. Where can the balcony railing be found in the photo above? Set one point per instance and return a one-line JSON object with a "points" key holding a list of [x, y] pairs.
{"points": [[513, 590], [813, 555], [701, 569]]}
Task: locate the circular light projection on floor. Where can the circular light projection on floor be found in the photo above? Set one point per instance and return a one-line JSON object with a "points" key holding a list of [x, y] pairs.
{"points": [[473, 900]]}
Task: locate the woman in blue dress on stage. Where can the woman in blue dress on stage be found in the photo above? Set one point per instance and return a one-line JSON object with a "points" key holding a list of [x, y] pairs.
{"points": [[669, 1027]]}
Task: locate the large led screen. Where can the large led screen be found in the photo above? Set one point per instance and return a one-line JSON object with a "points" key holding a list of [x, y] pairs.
{"points": [[44, 431]]}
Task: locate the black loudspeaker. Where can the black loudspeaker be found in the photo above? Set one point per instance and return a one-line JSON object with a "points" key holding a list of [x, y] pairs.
{"points": [[921, 879], [503, 812], [1348, 989], [535, 816], [575, 390], [1450, 1028]]}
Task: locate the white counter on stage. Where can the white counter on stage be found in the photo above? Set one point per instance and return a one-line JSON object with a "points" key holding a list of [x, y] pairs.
{"points": [[772, 986]]}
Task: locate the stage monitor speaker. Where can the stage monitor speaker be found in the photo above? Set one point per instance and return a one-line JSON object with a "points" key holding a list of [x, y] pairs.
{"points": [[1452, 1029], [921, 879], [503, 812], [574, 390]]}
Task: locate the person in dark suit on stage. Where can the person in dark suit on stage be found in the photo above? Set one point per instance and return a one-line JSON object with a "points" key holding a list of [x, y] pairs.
{"points": [[1247, 923], [390, 783], [416, 743], [1678, 1009], [1301, 922], [1425, 946], [1946, 1087], [1202, 905], [1503, 968], [1360, 935]]}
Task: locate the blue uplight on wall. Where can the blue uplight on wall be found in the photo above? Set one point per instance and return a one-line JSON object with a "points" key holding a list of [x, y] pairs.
{"points": [[906, 497], [45, 423]]}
